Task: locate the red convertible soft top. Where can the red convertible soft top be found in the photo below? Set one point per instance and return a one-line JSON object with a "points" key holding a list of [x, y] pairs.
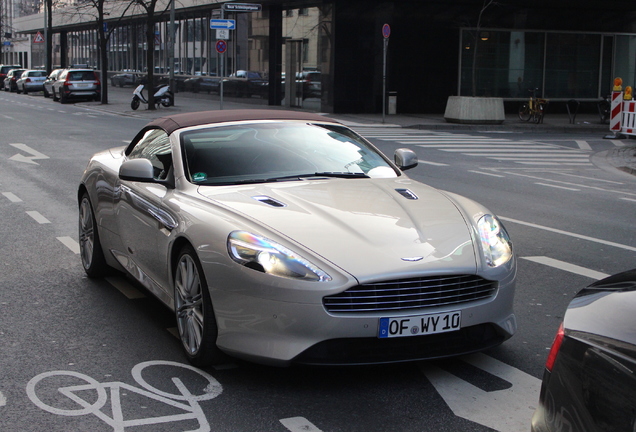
{"points": [[178, 121]]}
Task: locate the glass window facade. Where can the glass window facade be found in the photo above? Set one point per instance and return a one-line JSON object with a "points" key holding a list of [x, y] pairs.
{"points": [[509, 63]]}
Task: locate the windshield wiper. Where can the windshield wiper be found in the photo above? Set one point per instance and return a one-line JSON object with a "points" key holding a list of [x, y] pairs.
{"points": [[295, 177], [341, 174]]}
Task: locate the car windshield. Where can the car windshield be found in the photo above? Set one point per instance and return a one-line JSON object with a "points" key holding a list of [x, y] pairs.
{"points": [[278, 151]]}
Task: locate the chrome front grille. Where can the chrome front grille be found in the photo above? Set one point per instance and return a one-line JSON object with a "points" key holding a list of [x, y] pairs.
{"points": [[412, 293]]}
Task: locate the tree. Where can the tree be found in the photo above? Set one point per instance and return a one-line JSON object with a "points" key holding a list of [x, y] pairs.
{"points": [[95, 9], [149, 7]]}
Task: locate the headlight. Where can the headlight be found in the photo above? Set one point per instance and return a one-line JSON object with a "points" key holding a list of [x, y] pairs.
{"points": [[494, 241], [264, 255]]}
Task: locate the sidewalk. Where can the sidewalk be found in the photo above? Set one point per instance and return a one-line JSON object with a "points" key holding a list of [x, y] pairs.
{"points": [[622, 158]]}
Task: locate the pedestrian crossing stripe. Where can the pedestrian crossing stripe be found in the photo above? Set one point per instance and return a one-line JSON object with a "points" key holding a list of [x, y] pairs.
{"points": [[524, 152]]}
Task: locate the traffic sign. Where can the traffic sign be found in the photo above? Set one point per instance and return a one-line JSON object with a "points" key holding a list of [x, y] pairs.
{"points": [[221, 46], [38, 38], [223, 24], [241, 7], [386, 31], [222, 34]]}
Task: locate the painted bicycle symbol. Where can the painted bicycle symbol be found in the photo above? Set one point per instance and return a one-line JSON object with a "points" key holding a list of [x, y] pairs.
{"points": [[91, 397]]}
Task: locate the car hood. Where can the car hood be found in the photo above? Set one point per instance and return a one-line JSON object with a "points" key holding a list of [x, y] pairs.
{"points": [[366, 227]]}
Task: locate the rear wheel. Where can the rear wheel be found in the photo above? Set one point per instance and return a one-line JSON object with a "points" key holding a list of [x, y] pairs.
{"points": [[524, 112], [46, 93], [166, 101], [193, 309], [55, 98], [24, 90], [63, 98], [91, 251], [134, 104]]}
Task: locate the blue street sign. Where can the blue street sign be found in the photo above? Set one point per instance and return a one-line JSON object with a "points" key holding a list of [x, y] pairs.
{"points": [[222, 24]]}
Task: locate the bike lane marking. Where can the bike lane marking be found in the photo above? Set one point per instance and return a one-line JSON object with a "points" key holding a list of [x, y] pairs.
{"points": [[299, 424], [183, 400]]}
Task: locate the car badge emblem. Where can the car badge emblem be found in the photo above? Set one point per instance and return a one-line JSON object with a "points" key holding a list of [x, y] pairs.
{"points": [[413, 259]]}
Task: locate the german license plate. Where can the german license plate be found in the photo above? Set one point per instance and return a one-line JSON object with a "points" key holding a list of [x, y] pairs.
{"points": [[420, 324]]}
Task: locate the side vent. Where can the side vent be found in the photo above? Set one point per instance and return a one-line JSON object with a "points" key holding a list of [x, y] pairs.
{"points": [[269, 201], [407, 194]]}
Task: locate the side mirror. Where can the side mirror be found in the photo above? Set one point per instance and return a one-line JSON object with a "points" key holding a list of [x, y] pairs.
{"points": [[405, 158], [140, 170]]}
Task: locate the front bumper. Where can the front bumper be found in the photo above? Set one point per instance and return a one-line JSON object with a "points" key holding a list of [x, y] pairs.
{"points": [[280, 333]]}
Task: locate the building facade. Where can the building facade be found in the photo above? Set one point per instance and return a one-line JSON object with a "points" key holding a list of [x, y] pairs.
{"points": [[567, 49]]}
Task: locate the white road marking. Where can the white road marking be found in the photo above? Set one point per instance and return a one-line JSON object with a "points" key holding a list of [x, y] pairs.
{"points": [[557, 187], [571, 234], [505, 410], [583, 145], [91, 396], [485, 173], [299, 424], [617, 143], [3, 400], [11, 197], [27, 159], [38, 217], [562, 265], [629, 199], [71, 244], [431, 163], [125, 288]]}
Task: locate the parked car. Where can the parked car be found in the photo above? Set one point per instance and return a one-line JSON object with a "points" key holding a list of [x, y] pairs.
{"points": [[77, 84], [285, 237], [11, 80], [202, 84], [246, 84], [31, 81], [589, 383], [310, 84], [4, 70], [48, 82], [127, 77]]}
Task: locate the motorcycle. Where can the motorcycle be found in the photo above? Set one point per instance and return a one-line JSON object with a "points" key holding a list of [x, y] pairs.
{"points": [[163, 96]]}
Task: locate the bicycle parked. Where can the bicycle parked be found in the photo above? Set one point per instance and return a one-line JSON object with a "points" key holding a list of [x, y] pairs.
{"points": [[533, 109]]}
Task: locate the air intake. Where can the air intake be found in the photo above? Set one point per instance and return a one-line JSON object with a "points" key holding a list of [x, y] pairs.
{"points": [[407, 194], [269, 201]]}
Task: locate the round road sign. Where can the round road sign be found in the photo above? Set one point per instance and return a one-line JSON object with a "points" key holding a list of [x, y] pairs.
{"points": [[386, 30], [221, 46]]}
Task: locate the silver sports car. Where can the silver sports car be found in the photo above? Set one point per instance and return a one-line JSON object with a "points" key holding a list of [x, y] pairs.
{"points": [[284, 237]]}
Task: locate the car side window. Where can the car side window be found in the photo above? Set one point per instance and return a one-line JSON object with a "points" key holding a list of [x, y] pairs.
{"points": [[155, 146]]}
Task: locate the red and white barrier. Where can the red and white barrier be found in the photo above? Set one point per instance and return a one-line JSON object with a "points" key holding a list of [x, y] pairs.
{"points": [[623, 114]]}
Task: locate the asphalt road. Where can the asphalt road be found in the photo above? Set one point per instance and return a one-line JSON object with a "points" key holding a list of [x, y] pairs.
{"points": [[80, 354]]}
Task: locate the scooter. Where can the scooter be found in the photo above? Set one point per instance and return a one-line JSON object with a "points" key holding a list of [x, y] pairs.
{"points": [[163, 96]]}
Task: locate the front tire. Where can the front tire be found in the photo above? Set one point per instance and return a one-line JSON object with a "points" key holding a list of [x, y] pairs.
{"points": [[46, 93], [524, 112], [193, 309], [91, 251], [134, 104]]}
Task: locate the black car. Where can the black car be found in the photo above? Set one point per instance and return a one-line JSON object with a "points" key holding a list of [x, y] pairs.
{"points": [[4, 70], [589, 383], [244, 83], [202, 84]]}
